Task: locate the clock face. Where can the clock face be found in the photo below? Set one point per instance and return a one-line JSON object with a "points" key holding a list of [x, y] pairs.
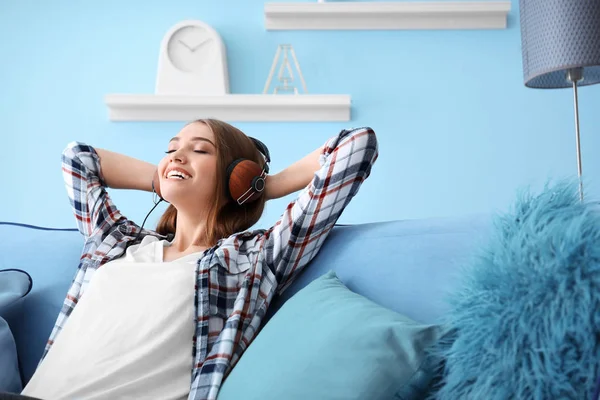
{"points": [[190, 49]]}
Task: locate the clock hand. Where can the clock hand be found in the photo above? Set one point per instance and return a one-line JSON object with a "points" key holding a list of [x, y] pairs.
{"points": [[183, 43], [199, 45]]}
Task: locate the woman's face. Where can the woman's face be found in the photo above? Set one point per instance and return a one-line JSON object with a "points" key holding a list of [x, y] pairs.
{"points": [[188, 171]]}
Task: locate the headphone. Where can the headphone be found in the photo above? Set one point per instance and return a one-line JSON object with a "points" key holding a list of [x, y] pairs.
{"points": [[245, 179]]}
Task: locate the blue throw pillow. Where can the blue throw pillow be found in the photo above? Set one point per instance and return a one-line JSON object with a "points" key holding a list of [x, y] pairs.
{"points": [[525, 321], [14, 284], [328, 342]]}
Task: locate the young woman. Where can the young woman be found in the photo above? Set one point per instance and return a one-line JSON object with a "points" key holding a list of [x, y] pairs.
{"points": [[167, 313]]}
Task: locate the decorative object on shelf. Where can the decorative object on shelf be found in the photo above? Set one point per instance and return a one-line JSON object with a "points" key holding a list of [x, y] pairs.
{"points": [[561, 49], [376, 15], [285, 75], [192, 61]]}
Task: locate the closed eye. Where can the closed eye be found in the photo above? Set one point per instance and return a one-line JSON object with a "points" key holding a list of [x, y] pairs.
{"points": [[195, 151]]}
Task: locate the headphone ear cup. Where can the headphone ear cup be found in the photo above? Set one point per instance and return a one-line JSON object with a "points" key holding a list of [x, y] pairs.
{"points": [[241, 174], [228, 174]]}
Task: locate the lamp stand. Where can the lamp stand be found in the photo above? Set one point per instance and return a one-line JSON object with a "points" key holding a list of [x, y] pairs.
{"points": [[575, 75]]}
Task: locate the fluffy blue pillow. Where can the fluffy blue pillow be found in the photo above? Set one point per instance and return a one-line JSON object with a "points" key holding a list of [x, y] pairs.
{"points": [[328, 342], [526, 322], [14, 284]]}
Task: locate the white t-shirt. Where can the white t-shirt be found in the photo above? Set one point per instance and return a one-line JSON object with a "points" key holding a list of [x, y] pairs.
{"points": [[130, 336]]}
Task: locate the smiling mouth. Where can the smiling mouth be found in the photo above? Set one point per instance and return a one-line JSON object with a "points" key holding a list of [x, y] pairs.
{"points": [[177, 175]]}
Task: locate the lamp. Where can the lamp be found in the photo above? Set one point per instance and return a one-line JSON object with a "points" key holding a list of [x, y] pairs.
{"points": [[560, 42]]}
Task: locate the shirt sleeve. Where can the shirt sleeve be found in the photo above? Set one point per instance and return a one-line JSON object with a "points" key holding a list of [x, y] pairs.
{"points": [[296, 238], [94, 210]]}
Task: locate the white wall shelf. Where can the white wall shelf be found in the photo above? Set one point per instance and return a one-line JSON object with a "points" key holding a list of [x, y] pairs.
{"points": [[387, 15], [232, 107]]}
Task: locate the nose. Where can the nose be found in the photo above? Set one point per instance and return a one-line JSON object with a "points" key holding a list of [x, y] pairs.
{"points": [[178, 156]]}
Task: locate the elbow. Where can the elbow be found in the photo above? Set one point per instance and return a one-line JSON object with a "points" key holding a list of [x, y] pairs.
{"points": [[371, 138], [74, 149], [80, 158], [71, 151], [366, 143]]}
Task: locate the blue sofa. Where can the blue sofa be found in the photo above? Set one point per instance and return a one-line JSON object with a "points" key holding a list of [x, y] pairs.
{"points": [[406, 266]]}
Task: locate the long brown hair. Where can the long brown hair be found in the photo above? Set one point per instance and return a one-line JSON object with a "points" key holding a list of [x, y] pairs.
{"points": [[225, 217]]}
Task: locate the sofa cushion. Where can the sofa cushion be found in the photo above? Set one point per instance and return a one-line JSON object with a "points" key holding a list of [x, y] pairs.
{"points": [[10, 379], [14, 285], [327, 342]]}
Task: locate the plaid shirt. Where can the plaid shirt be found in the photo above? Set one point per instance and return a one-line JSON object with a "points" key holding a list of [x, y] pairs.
{"points": [[236, 279]]}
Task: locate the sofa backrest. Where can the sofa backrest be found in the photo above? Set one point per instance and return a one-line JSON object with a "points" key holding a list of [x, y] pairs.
{"points": [[406, 266]]}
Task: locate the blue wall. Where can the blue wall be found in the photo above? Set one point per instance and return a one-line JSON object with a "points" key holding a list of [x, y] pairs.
{"points": [[458, 131]]}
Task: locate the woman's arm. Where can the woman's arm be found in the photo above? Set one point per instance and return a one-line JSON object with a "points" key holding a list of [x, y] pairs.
{"points": [[344, 162], [124, 172], [294, 177], [87, 172]]}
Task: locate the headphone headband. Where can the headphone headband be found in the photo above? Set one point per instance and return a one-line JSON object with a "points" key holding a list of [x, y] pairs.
{"points": [[262, 148]]}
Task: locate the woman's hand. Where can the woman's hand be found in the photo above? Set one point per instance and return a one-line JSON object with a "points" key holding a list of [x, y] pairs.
{"points": [[293, 178]]}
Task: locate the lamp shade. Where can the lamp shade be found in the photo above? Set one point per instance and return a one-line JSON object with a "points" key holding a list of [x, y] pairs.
{"points": [[558, 35]]}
